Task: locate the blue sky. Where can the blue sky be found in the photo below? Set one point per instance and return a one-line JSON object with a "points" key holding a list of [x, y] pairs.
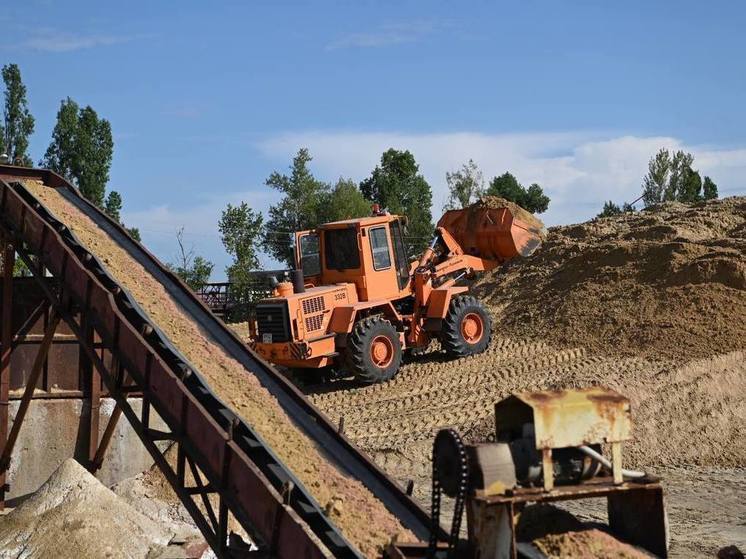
{"points": [[207, 98]]}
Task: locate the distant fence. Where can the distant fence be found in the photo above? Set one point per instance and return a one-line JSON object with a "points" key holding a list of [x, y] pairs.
{"points": [[227, 302]]}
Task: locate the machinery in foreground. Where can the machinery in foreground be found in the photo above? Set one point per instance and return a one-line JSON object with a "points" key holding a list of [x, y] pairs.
{"points": [[356, 302], [548, 448]]}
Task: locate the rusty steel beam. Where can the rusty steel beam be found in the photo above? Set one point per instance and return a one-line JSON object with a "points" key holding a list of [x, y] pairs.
{"points": [[120, 379], [22, 334], [92, 390], [36, 370], [6, 339], [103, 445]]}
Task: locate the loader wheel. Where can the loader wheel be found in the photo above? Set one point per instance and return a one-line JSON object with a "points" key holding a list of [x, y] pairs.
{"points": [[373, 350], [467, 328]]}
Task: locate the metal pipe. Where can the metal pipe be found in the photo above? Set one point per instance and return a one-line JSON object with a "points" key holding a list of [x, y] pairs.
{"points": [[588, 451], [428, 254]]}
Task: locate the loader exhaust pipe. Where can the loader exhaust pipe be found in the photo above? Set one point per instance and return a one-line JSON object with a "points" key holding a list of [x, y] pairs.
{"points": [[296, 276]]}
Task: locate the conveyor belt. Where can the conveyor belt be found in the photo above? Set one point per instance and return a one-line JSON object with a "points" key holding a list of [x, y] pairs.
{"points": [[336, 447]]}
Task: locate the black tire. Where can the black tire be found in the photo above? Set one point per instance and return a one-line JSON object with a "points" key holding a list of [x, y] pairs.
{"points": [[455, 337], [365, 342]]}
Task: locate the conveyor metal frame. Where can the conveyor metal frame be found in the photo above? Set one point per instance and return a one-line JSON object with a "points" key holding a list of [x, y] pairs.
{"points": [[248, 479]]}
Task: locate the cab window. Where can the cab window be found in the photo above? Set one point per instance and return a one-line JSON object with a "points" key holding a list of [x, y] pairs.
{"points": [[309, 255], [341, 250], [379, 245]]}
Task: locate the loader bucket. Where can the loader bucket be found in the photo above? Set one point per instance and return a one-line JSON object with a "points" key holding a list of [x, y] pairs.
{"points": [[494, 229]]}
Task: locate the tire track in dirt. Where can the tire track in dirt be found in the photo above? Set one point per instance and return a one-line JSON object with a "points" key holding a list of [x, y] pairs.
{"points": [[432, 392]]}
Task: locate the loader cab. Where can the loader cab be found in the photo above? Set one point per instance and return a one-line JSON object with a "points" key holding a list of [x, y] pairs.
{"points": [[369, 252]]}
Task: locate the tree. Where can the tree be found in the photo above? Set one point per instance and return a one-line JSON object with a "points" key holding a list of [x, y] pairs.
{"points": [[655, 183], [611, 209], [240, 229], [134, 232], [343, 201], [81, 150], [671, 177], [18, 123], [94, 149], [113, 205], [710, 189], [298, 210], [397, 186], [192, 269], [691, 186], [465, 186], [531, 199], [61, 151], [681, 168]]}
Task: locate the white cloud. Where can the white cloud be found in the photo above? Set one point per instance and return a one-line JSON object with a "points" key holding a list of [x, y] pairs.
{"points": [[54, 40], [385, 35], [159, 224], [578, 170]]}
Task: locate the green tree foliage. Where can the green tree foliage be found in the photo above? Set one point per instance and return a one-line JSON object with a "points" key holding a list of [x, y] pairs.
{"points": [[194, 270], [611, 209], [507, 186], [113, 205], [655, 183], [465, 186], [343, 201], [61, 152], [671, 177], [397, 185], [134, 232], [691, 186], [240, 229], [81, 150], [18, 123], [298, 210], [709, 188]]}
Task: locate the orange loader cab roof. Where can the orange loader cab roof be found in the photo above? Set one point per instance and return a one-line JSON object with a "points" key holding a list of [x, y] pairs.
{"points": [[362, 221]]}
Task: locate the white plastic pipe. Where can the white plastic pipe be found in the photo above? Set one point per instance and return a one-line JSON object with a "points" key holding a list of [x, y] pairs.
{"points": [[588, 451]]}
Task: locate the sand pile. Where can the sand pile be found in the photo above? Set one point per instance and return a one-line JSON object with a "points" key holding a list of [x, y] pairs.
{"points": [[495, 202], [665, 282], [363, 520], [74, 516], [586, 544]]}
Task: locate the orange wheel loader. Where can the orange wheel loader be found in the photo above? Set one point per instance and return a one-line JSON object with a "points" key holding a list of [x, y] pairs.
{"points": [[356, 303]]}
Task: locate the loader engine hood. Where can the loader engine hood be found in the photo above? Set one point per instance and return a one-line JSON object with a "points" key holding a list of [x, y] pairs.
{"points": [[301, 316]]}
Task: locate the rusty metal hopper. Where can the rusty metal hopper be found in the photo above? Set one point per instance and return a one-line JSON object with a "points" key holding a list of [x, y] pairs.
{"points": [[568, 418]]}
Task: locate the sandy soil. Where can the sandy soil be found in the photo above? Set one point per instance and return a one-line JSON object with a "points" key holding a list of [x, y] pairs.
{"points": [[689, 422], [666, 282], [74, 516], [362, 518]]}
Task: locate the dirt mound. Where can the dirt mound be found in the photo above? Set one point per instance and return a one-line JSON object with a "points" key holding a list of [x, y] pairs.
{"points": [[669, 281], [586, 544], [74, 515]]}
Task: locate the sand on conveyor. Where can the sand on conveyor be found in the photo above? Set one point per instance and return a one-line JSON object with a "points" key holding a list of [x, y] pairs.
{"points": [[361, 517], [73, 515]]}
